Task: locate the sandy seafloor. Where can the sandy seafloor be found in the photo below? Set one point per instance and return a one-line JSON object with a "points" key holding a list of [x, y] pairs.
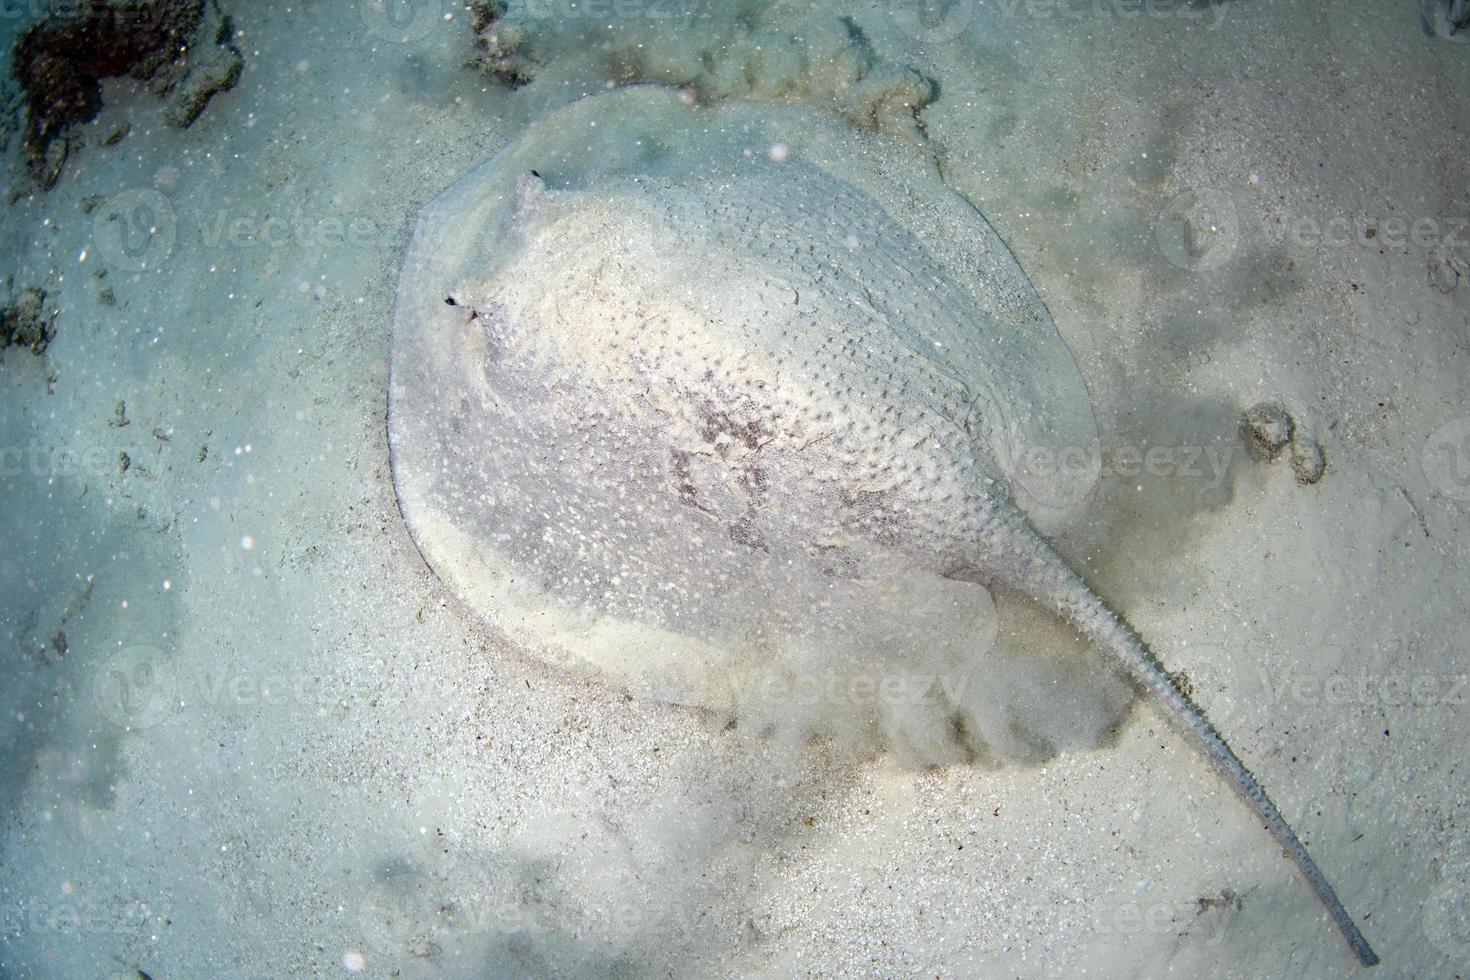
{"points": [[334, 758]]}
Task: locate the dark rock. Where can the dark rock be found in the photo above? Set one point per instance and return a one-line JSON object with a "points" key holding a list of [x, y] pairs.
{"points": [[212, 66], [1267, 429], [61, 60], [499, 47], [1444, 272], [25, 322], [1308, 461], [218, 75]]}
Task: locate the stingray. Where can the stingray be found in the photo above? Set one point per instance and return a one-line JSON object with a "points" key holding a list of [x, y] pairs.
{"points": [[682, 392]]}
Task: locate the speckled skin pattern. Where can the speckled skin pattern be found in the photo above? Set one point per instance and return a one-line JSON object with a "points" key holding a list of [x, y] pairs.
{"points": [[680, 405], [724, 384], [735, 407]]}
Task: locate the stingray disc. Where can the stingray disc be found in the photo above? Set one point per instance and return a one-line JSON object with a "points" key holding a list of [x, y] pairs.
{"points": [[690, 394]]}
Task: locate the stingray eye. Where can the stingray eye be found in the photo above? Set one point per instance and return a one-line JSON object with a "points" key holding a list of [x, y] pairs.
{"points": [[474, 313]]}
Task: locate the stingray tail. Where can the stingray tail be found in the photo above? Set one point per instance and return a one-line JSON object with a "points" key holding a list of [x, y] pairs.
{"points": [[1071, 598]]}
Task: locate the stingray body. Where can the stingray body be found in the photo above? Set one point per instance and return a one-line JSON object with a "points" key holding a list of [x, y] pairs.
{"points": [[679, 393]]}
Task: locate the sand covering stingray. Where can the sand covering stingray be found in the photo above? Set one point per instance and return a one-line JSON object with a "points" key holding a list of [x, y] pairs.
{"points": [[719, 546]]}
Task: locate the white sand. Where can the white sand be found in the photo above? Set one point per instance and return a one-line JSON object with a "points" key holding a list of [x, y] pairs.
{"points": [[333, 758]]}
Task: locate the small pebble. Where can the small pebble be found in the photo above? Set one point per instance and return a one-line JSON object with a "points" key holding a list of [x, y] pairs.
{"points": [[1307, 459], [1267, 429], [1444, 273]]}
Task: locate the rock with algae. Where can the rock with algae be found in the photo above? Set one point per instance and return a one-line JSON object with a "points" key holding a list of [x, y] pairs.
{"points": [[1269, 431], [716, 52], [180, 47], [25, 322]]}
